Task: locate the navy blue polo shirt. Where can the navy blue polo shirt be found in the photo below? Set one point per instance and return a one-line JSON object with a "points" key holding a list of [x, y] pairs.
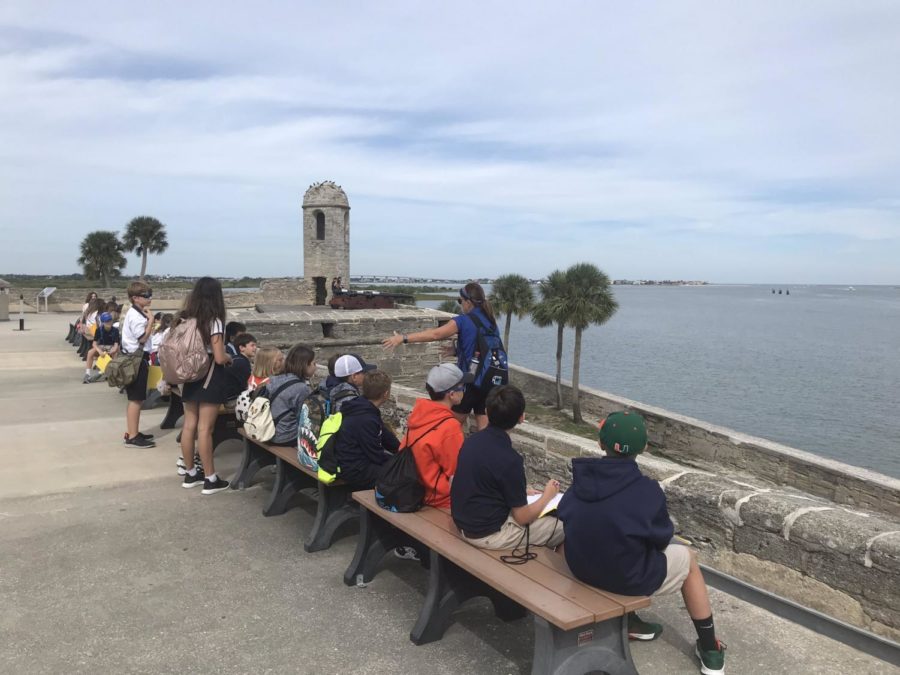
{"points": [[489, 482]]}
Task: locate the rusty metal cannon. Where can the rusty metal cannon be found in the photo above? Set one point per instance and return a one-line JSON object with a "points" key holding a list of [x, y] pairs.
{"points": [[369, 300]]}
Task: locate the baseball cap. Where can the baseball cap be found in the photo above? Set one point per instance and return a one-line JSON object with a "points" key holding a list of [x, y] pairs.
{"points": [[106, 317], [447, 376], [349, 364], [623, 433]]}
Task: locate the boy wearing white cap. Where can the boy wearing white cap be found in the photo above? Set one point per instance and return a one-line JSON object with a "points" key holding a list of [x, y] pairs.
{"points": [[351, 370]]}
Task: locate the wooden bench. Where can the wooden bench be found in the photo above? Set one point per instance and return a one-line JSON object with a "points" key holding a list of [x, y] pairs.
{"points": [[293, 480], [577, 628]]}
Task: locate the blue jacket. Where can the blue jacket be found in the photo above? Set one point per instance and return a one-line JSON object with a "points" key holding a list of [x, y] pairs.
{"points": [[362, 440], [616, 526]]}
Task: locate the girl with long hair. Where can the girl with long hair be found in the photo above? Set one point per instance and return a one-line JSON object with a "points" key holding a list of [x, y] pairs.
{"points": [[202, 398], [288, 391], [476, 308]]}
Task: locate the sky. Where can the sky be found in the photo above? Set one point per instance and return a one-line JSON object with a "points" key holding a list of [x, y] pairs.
{"points": [[729, 142]]}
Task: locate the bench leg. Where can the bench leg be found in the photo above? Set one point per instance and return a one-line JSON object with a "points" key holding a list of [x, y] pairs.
{"points": [[448, 587], [253, 459], [289, 481], [335, 507], [376, 538], [601, 647], [225, 429], [173, 413]]}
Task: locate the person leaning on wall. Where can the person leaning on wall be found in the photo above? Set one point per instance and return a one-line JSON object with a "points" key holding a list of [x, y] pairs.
{"points": [[473, 302]]}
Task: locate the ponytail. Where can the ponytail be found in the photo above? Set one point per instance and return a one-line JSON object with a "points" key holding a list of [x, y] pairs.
{"points": [[473, 292]]}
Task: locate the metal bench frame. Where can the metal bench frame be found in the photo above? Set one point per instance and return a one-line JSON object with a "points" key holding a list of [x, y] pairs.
{"points": [[334, 505]]}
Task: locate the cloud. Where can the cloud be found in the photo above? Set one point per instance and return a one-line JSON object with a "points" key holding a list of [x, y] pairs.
{"points": [[689, 133]]}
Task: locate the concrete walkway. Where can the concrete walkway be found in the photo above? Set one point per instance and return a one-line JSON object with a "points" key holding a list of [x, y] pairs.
{"points": [[108, 566]]}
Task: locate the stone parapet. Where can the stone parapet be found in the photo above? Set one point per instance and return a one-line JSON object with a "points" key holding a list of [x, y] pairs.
{"points": [[698, 443], [331, 331]]}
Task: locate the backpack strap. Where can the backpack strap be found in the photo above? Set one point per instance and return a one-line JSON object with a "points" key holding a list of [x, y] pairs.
{"points": [[421, 436]]}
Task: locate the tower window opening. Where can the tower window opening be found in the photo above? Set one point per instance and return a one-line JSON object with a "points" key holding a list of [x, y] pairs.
{"points": [[320, 226]]}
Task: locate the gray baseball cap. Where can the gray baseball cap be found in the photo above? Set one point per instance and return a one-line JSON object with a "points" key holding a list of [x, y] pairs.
{"points": [[447, 376]]}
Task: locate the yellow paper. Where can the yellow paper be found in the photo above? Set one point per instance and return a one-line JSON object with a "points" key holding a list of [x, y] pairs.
{"points": [[102, 361], [153, 377]]}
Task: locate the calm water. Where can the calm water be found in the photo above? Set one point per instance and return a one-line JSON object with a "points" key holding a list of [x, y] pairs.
{"points": [[818, 370]]}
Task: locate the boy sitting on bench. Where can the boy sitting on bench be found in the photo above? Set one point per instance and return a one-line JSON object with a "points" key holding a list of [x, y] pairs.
{"points": [[618, 535], [106, 341], [488, 496]]}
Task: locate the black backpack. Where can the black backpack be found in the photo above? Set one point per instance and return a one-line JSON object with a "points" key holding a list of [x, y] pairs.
{"points": [[493, 370], [399, 488]]}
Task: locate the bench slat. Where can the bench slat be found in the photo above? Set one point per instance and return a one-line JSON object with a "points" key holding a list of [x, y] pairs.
{"points": [[556, 609], [631, 603], [552, 574]]}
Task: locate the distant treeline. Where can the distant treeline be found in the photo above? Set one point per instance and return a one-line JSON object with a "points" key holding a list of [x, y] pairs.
{"points": [[80, 281]]}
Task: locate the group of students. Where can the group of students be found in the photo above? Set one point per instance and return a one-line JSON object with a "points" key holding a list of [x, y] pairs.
{"points": [[612, 524]]}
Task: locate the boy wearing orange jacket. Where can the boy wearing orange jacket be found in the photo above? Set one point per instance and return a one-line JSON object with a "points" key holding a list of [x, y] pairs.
{"points": [[435, 434]]}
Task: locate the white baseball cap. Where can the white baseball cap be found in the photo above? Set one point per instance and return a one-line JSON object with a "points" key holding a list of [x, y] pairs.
{"points": [[348, 364]]}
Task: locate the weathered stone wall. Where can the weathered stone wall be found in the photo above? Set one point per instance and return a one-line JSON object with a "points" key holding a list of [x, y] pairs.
{"points": [[842, 562], [694, 442], [285, 291], [280, 291], [359, 331]]}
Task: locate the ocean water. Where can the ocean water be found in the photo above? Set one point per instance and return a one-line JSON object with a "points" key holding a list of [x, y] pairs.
{"points": [[817, 370]]}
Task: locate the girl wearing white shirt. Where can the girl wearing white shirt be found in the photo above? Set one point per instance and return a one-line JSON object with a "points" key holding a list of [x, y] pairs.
{"points": [[202, 398]]}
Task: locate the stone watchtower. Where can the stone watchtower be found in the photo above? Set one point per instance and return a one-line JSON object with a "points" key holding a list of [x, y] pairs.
{"points": [[326, 238]]}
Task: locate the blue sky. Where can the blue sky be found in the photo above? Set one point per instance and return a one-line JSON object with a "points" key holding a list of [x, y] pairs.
{"points": [[734, 143]]}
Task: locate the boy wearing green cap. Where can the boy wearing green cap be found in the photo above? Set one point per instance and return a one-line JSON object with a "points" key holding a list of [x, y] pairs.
{"points": [[618, 534]]}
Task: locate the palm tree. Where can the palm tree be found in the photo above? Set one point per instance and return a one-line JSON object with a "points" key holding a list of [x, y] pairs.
{"points": [[145, 235], [552, 310], [590, 302], [511, 294], [449, 306], [101, 256]]}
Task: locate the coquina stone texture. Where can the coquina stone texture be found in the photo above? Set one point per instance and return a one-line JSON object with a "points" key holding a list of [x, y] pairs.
{"points": [[703, 445]]}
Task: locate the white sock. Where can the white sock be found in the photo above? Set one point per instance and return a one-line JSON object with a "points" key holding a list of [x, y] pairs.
{"points": [[87, 371], [192, 472], [211, 477]]}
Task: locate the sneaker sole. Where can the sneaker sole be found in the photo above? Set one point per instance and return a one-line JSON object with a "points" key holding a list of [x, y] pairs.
{"points": [[212, 491], [704, 668], [644, 637], [192, 485]]}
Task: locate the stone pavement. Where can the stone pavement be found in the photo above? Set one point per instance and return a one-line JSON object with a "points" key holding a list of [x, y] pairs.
{"points": [[108, 565]]}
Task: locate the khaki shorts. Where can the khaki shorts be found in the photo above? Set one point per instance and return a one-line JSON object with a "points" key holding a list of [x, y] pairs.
{"points": [[678, 565], [546, 531]]}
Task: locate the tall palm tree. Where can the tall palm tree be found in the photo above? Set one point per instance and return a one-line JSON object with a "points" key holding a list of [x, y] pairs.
{"points": [[590, 302], [145, 235], [101, 256], [552, 310], [449, 306], [511, 294]]}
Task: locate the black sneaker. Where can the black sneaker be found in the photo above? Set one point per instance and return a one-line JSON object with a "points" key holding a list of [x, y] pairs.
{"points": [[139, 442], [212, 487], [192, 481], [146, 437]]}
